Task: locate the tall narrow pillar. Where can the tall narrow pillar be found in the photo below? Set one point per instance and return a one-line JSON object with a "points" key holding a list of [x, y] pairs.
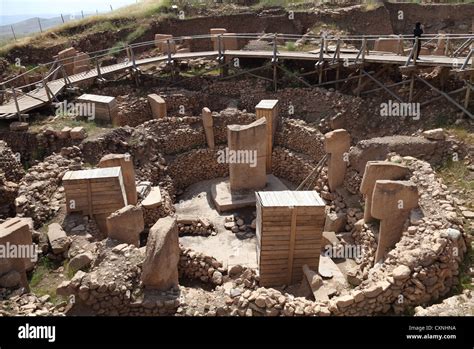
{"points": [[208, 123], [246, 154], [336, 144], [268, 109], [125, 162]]}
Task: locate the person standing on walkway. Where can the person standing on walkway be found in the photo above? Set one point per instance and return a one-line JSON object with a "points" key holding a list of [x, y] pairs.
{"points": [[417, 32]]}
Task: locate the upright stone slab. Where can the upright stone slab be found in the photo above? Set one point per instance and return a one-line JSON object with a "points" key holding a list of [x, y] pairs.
{"points": [[268, 109], [161, 42], [441, 45], [231, 41], [160, 268], [375, 170], [66, 58], [15, 233], [125, 162], [208, 124], [157, 105], [392, 202], [126, 224], [247, 151], [394, 45], [214, 39], [336, 144], [82, 63]]}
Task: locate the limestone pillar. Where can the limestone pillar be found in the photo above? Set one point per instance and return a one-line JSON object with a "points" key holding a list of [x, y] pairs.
{"points": [[160, 268], [231, 41], [82, 63], [214, 39], [246, 155], [336, 144], [126, 224], [14, 234], [208, 123], [66, 58], [268, 109], [392, 202], [125, 162], [375, 170], [157, 105], [161, 42]]}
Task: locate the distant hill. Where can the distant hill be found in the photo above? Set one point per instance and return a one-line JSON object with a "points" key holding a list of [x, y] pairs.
{"points": [[30, 26]]}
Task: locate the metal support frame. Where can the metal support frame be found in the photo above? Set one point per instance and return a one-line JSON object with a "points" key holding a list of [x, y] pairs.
{"points": [[461, 48], [412, 55], [466, 61], [440, 96], [294, 75], [445, 95], [314, 173], [386, 89], [275, 63], [390, 85]]}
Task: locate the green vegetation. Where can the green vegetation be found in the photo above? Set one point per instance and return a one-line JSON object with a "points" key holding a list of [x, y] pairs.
{"points": [[456, 173], [42, 280], [62, 121], [290, 46], [124, 18]]}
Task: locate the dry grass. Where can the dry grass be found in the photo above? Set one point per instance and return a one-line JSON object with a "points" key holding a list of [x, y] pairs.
{"points": [[126, 17]]}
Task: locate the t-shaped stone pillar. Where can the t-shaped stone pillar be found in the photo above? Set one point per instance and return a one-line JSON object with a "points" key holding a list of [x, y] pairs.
{"points": [[125, 161], [208, 123], [392, 202], [375, 170], [337, 143], [246, 155]]}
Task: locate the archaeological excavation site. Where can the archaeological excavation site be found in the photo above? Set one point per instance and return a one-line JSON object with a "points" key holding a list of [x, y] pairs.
{"points": [[240, 158]]}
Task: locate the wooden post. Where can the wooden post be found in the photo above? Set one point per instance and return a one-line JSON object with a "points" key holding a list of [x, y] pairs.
{"points": [[359, 82], [168, 44], [64, 75], [16, 103], [412, 85], [46, 89], [99, 74], [132, 56], [415, 50], [13, 32], [321, 61], [39, 23], [219, 55], [364, 48], [275, 63], [468, 93]]}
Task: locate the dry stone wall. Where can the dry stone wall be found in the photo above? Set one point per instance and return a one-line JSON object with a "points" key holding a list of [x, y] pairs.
{"points": [[39, 194]]}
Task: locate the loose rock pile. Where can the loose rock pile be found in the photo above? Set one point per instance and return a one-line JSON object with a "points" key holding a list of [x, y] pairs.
{"points": [[195, 226], [237, 225], [29, 304]]}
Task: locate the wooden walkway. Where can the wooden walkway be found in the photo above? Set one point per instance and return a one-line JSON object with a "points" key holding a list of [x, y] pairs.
{"points": [[39, 97]]}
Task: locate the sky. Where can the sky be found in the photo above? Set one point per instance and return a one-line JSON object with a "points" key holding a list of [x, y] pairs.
{"points": [[33, 8]]}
